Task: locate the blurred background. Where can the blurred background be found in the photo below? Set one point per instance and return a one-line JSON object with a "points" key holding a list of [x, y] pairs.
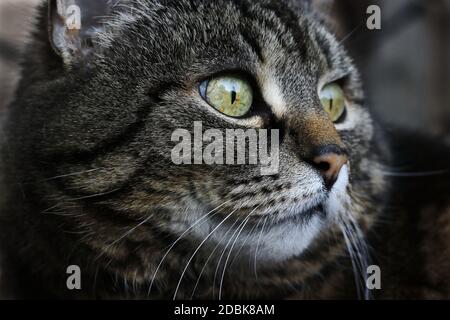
{"points": [[405, 65]]}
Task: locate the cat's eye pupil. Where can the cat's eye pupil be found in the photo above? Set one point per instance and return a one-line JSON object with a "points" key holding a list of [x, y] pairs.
{"points": [[233, 96]]}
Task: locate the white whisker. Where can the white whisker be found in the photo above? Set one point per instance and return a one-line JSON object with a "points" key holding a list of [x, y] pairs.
{"points": [[210, 256], [257, 247], [221, 257], [243, 224], [198, 249], [250, 234], [124, 235], [358, 252], [200, 220], [414, 174], [71, 174]]}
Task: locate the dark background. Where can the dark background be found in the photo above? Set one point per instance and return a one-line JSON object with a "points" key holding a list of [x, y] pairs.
{"points": [[406, 65]]}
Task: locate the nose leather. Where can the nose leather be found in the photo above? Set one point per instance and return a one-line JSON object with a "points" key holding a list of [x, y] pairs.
{"points": [[330, 165]]}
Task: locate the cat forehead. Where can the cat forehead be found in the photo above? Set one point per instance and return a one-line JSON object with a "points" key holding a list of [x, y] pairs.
{"points": [[207, 19], [272, 31]]}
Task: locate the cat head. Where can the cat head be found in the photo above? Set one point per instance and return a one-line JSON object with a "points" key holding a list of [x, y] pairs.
{"points": [[105, 115]]}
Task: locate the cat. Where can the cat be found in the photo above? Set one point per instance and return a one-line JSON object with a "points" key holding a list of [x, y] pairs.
{"points": [[88, 178]]}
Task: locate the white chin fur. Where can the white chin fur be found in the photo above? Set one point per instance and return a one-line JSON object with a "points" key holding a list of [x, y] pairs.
{"points": [[282, 241]]}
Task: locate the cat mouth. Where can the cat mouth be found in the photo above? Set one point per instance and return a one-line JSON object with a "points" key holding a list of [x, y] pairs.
{"points": [[303, 216]]}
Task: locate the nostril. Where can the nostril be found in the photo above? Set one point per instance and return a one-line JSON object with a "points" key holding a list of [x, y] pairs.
{"points": [[329, 164], [323, 166]]}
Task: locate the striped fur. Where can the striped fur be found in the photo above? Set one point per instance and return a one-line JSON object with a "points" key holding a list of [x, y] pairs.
{"points": [[90, 181]]}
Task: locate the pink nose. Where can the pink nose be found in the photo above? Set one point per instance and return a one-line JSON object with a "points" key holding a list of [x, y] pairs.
{"points": [[330, 165]]}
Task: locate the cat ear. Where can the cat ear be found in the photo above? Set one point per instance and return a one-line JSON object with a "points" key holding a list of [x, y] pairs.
{"points": [[72, 25]]}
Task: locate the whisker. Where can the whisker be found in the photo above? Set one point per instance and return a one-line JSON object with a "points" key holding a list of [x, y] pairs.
{"points": [[350, 34], [251, 233], [71, 174], [352, 259], [221, 257], [97, 195], [358, 252], [243, 224], [257, 247], [198, 249], [204, 217], [415, 174], [210, 256], [101, 194], [124, 236]]}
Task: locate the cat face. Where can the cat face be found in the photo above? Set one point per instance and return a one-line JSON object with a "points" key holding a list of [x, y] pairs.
{"points": [[107, 123]]}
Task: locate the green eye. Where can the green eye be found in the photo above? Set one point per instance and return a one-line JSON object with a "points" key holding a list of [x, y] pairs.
{"points": [[233, 96], [333, 101]]}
